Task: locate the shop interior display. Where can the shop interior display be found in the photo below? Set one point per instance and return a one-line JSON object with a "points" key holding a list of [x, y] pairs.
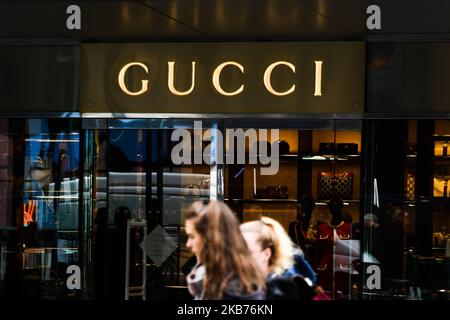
{"points": [[313, 165]]}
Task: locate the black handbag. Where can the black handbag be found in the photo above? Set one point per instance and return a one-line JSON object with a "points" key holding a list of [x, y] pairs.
{"points": [[283, 147], [347, 148], [272, 192], [328, 148], [277, 192]]}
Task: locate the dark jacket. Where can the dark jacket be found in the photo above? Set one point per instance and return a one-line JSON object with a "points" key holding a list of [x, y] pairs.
{"points": [[296, 283], [289, 287], [231, 292], [303, 268]]}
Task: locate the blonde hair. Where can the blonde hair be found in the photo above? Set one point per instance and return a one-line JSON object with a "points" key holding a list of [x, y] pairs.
{"points": [[271, 234]]}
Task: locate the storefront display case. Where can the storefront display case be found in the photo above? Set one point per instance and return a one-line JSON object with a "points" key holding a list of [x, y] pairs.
{"points": [[304, 169]]}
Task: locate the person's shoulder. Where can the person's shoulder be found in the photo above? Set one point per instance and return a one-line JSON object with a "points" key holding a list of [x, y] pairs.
{"points": [[280, 287], [233, 292], [289, 287]]}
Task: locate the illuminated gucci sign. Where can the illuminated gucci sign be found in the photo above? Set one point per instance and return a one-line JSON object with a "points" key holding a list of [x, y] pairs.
{"points": [[266, 78]]}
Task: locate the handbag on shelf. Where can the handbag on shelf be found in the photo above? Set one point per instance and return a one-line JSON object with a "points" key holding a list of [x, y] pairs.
{"points": [[191, 190], [329, 183], [347, 148], [277, 192], [411, 149], [204, 183], [283, 147], [410, 187], [272, 192], [328, 148]]}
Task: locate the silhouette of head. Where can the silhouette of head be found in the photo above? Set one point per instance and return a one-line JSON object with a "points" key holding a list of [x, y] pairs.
{"points": [[308, 203], [335, 205]]}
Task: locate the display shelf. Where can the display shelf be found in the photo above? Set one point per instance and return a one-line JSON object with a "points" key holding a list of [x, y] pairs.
{"points": [[284, 201], [272, 201], [282, 156], [441, 137], [346, 202], [186, 197], [319, 157], [441, 200]]}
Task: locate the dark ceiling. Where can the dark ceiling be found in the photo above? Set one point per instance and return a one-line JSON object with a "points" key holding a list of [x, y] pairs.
{"points": [[185, 19], [167, 20]]}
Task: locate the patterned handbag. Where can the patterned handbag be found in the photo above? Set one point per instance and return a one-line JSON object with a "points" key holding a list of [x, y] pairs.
{"points": [[410, 186], [329, 183]]}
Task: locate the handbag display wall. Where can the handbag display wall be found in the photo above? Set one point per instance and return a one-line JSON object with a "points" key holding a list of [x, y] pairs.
{"points": [[329, 183]]}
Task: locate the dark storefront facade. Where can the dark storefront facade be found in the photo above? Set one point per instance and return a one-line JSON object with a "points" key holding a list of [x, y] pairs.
{"points": [[90, 187]]}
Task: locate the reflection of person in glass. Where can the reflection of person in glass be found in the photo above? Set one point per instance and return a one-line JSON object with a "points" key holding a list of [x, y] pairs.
{"points": [[61, 204], [395, 242], [303, 230], [333, 272], [373, 232], [38, 181]]}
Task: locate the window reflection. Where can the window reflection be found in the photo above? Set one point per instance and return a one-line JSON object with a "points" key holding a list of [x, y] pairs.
{"points": [[135, 178], [39, 216], [406, 228]]}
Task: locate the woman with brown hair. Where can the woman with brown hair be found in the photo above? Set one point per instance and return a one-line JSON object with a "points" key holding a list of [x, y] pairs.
{"points": [[225, 269]]}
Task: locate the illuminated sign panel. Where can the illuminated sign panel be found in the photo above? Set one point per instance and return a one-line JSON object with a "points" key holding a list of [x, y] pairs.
{"points": [[302, 77]]}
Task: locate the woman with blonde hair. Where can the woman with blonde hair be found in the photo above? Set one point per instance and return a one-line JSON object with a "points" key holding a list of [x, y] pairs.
{"points": [[288, 275], [225, 268]]}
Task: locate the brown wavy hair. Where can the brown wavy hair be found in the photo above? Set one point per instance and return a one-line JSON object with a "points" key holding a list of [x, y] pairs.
{"points": [[224, 254]]}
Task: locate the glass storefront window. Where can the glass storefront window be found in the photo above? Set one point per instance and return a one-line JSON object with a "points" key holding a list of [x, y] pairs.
{"points": [[137, 185], [392, 176], [406, 217], [39, 219], [314, 164]]}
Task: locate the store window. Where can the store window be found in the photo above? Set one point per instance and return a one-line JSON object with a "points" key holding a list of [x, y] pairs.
{"points": [[317, 162], [139, 200], [406, 217], [39, 216]]}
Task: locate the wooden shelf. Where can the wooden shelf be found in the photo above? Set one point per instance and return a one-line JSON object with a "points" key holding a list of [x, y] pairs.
{"points": [[282, 156], [272, 201], [283, 201], [441, 137], [319, 157]]}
